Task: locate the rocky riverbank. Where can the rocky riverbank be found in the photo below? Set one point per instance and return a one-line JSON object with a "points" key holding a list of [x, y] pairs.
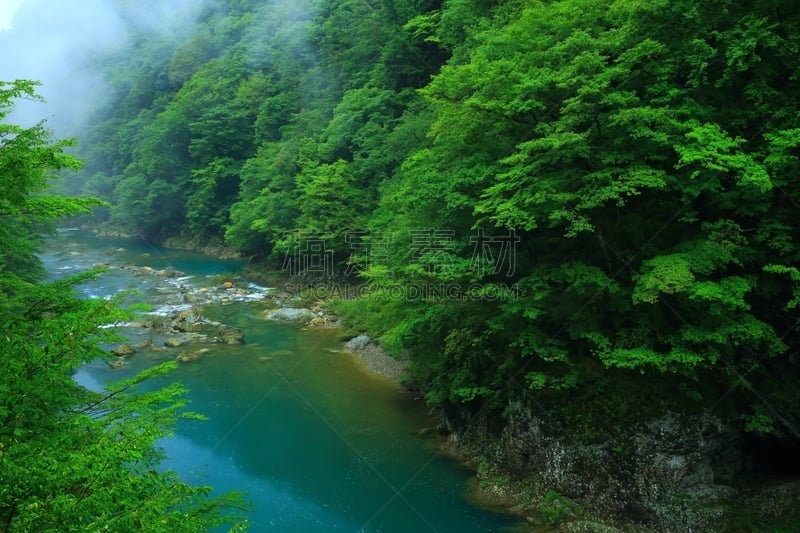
{"points": [[672, 473], [216, 249], [211, 248], [375, 359], [179, 321]]}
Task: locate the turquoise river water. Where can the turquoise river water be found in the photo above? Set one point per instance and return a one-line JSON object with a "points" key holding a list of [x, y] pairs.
{"points": [[315, 441]]}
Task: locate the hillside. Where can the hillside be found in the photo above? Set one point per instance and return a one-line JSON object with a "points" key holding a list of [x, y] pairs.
{"points": [[577, 220]]}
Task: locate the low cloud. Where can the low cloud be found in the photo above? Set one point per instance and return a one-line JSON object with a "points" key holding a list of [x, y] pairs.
{"points": [[65, 43]]}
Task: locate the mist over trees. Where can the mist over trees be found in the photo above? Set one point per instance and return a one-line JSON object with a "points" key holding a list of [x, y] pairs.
{"points": [[641, 156]]}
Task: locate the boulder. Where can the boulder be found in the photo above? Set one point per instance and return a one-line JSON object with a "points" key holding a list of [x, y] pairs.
{"points": [[188, 357], [358, 343], [187, 320], [183, 327], [146, 345], [291, 314], [174, 342], [229, 335], [123, 350], [170, 272]]}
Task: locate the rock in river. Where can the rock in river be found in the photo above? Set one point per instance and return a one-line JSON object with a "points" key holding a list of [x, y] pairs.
{"points": [[123, 350], [290, 314], [188, 357], [174, 342], [229, 335]]}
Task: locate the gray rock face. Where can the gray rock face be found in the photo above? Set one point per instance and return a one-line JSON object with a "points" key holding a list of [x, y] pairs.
{"points": [[291, 314], [682, 459], [670, 474], [358, 343]]}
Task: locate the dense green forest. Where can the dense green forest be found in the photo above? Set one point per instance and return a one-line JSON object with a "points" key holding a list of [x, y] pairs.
{"points": [[605, 189], [72, 459]]}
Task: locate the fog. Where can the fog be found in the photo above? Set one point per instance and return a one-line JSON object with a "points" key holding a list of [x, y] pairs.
{"points": [[7, 10], [65, 44]]}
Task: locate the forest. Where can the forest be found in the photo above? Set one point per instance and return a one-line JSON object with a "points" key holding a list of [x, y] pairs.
{"points": [[576, 213], [72, 459]]}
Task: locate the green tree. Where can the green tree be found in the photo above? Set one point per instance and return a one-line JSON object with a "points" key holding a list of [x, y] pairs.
{"points": [[72, 459], [330, 199], [27, 161], [648, 166]]}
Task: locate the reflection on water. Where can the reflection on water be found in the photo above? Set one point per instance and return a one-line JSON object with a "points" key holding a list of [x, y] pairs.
{"points": [[317, 444]]}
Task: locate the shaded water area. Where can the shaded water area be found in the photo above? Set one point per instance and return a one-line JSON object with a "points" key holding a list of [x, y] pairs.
{"points": [[316, 442]]}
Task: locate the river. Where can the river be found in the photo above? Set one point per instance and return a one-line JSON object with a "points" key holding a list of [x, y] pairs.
{"points": [[315, 441]]}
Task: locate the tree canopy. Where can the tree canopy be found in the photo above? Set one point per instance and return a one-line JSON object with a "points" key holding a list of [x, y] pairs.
{"points": [[605, 189], [72, 459], [639, 157]]}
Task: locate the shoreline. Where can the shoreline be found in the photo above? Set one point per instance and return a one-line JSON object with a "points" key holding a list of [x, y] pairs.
{"points": [[485, 489], [376, 360], [213, 248]]}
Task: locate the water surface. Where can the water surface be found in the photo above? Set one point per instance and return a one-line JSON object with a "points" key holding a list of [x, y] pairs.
{"points": [[316, 442]]}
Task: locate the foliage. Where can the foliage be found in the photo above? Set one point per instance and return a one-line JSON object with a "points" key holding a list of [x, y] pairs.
{"points": [[27, 162], [637, 158], [555, 508], [72, 459], [619, 152]]}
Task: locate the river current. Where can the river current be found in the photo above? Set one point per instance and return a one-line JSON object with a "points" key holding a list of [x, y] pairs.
{"points": [[315, 441]]}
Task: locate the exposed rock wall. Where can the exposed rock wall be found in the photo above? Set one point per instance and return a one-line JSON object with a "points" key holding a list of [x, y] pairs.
{"points": [[669, 474]]}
